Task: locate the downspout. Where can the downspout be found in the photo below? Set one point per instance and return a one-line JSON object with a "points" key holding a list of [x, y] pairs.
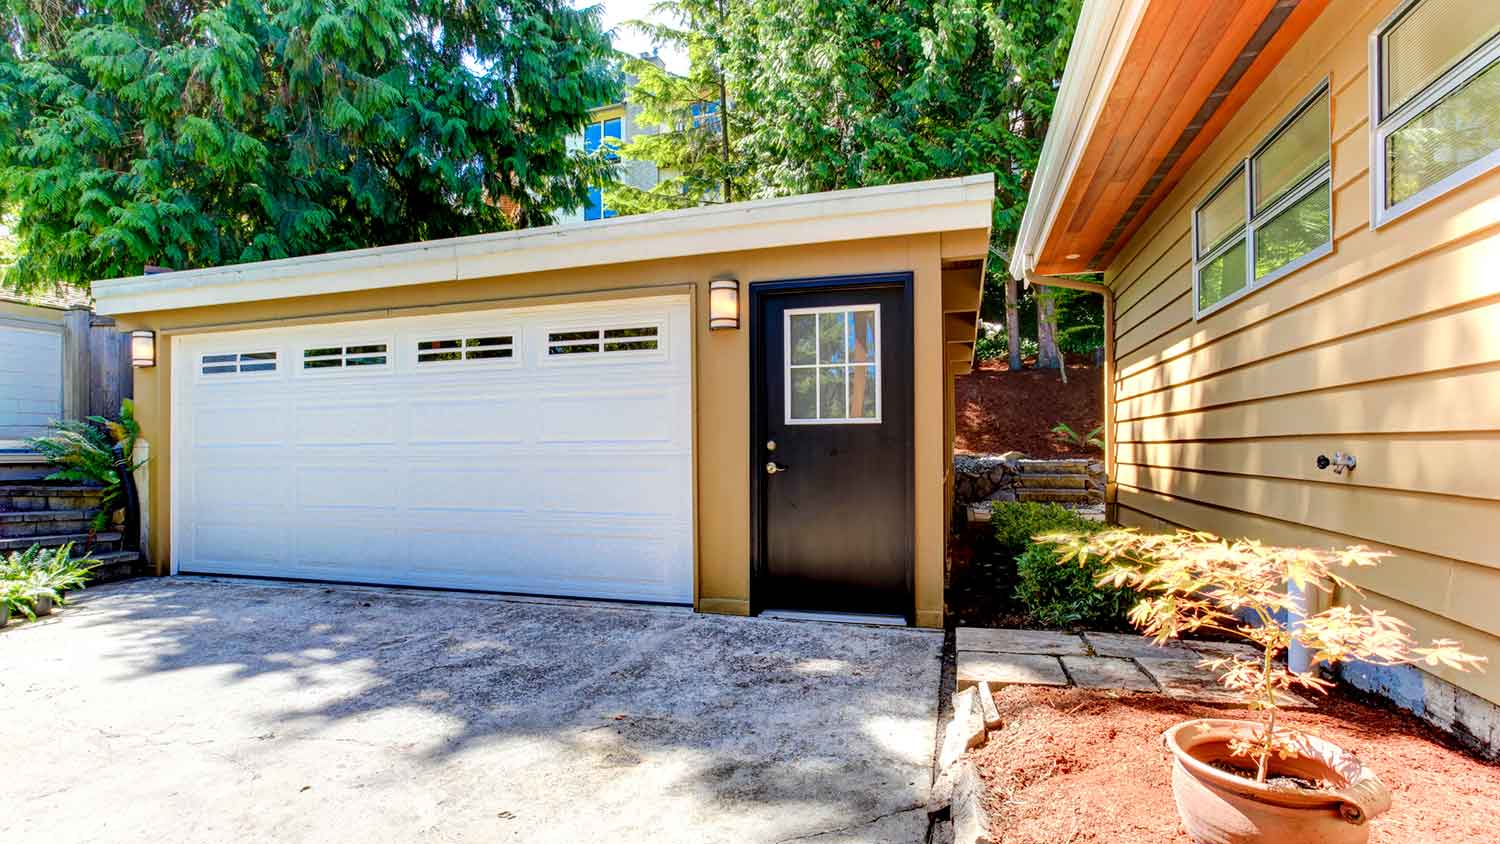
{"points": [[1109, 373]]}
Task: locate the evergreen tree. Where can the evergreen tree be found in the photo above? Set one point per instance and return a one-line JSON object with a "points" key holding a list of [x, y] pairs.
{"points": [[831, 94], [191, 133]]}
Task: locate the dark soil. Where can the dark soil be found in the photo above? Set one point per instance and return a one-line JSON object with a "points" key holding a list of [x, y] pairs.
{"points": [[1078, 766], [999, 410]]}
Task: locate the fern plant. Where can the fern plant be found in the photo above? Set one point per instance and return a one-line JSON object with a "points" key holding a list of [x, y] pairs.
{"points": [[1072, 437], [37, 573], [84, 451]]}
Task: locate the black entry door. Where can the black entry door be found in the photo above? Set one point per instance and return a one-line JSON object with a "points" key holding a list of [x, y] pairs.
{"points": [[832, 449]]}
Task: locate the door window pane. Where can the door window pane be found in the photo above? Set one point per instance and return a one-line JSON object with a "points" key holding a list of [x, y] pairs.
{"points": [[1429, 39], [1299, 151], [804, 333], [831, 398], [1299, 229], [832, 366], [1460, 129], [1222, 277], [861, 336], [804, 399], [831, 338], [1222, 215], [862, 392]]}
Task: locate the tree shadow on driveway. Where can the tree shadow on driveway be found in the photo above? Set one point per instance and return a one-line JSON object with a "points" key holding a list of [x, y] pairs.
{"points": [[260, 709]]}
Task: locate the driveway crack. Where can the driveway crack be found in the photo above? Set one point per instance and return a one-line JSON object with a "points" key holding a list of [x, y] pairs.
{"points": [[860, 825]]}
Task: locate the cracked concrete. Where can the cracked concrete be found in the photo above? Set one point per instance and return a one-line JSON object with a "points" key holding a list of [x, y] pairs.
{"points": [[199, 710]]}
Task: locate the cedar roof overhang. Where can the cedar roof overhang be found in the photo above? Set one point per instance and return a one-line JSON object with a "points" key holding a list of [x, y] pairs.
{"points": [[1149, 85]]}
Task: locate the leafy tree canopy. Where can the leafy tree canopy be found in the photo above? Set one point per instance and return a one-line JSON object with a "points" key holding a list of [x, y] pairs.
{"points": [[831, 94], [192, 133]]}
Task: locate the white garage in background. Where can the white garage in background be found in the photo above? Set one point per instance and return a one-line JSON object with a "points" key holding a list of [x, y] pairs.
{"points": [[31, 369], [543, 450]]}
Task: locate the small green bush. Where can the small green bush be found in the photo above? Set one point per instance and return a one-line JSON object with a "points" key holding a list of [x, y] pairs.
{"points": [[1053, 594], [1016, 522], [1067, 595]]}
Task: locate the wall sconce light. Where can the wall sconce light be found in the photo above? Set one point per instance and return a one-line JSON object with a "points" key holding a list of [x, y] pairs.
{"points": [[724, 304], [143, 348]]}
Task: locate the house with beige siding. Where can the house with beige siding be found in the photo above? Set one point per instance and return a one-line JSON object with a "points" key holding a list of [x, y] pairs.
{"points": [[1295, 207]]}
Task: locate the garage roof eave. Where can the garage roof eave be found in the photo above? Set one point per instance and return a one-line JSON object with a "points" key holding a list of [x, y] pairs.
{"points": [[942, 205]]}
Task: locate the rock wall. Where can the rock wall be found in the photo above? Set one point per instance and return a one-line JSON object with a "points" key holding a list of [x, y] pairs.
{"points": [[980, 479]]}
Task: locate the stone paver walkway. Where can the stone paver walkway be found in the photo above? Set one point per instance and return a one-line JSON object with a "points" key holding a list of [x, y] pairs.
{"points": [[1091, 660]]}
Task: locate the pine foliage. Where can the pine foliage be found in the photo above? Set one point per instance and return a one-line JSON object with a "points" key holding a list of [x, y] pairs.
{"points": [[197, 133]]}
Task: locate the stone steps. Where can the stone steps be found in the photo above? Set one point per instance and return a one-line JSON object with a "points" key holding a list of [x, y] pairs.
{"points": [[21, 523], [1051, 481], [100, 543], [47, 496], [115, 565], [1058, 496], [1053, 467], [19, 464]]}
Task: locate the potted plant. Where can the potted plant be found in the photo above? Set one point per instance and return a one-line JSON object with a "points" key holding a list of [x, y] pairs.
{"points": [[1246, 781], [39, 578]]}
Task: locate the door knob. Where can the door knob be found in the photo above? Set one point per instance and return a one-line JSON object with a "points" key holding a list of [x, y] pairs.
{"points": [[773, 467]]}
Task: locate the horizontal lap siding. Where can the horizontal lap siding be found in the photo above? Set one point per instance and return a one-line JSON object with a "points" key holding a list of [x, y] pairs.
{"points": [[1388, 349]]}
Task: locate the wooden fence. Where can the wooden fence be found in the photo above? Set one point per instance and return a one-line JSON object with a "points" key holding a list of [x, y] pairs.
{"points": [[96, 365]]}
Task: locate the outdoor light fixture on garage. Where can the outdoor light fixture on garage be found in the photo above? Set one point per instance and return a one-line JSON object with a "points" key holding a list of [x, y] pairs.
{"points": [[143, 348], [724, 304]]}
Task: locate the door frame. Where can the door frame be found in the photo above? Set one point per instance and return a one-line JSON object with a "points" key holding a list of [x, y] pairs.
{"points": [[759, 292]]}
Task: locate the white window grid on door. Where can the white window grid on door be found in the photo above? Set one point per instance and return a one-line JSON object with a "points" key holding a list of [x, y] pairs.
{"points": [[788, 367], [1386, 121]]}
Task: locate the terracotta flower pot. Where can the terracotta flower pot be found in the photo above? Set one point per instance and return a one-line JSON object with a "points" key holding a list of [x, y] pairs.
{"points": [[1218, 807]]}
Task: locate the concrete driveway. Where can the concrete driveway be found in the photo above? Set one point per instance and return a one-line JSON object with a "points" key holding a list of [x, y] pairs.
{"points": [[202, 710]]}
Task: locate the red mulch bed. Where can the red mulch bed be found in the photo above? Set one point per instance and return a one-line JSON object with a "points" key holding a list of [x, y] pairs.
{"points": [[1077, 766], [999, 410]]}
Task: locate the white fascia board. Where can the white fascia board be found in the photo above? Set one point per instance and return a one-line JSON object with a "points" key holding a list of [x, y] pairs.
{"points": [[886, 211], [1105, 31]]}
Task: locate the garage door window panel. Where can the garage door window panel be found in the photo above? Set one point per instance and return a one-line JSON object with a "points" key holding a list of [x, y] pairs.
{"points": [[491, 349], [236, 363], [600, 344], [355, 357]]}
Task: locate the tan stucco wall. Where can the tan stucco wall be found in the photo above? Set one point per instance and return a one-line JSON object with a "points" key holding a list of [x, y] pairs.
{"points": [[721, 388], [1386, 348]]}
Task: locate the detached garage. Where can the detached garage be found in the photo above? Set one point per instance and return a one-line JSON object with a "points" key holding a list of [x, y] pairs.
{"points": [[743, 407]]}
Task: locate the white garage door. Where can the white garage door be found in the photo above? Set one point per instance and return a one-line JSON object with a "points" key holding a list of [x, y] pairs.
{"points": [[30, 379], [538, 450]]}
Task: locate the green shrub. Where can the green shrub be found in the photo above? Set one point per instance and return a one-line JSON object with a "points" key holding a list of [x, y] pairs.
{"points": [[1016, 522], [1068, 595]]}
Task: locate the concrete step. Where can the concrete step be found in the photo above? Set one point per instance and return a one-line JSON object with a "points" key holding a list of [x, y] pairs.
{"points": [[1059, 496], [115, 565], [1054, 467], [103, 542], [19, 523], [18, 463], [35, 496], [1052, 481]]}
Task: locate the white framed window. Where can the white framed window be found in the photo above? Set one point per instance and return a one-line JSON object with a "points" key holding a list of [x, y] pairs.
{"points": [[443, 351], [353, 357], [832, 365], [236, 363], [605, 342], [1273, 213], [1435, 102]]}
